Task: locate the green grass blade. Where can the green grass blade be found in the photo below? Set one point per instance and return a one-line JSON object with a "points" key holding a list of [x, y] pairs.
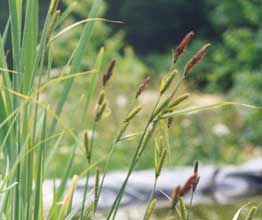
{"points": [[93, 82], [15, 12], [40, 173], [237, 214], [77, 58], [29, 44], [208, 107], [69, 28], [62, 187], [6, 30]]}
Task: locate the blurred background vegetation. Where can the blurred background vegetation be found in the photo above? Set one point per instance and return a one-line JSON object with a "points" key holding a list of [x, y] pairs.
{"points": [[142, 46]]}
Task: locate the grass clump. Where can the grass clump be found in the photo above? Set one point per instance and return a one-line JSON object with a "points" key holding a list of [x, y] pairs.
{"points": [[28, 126]]}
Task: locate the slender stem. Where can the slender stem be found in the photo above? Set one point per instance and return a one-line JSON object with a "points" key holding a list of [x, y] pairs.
{"points": [[132, 166], [151, 197], [137, 155], [171, 67], [113, 145], [88, 173], [177, 87], [190, 205]]}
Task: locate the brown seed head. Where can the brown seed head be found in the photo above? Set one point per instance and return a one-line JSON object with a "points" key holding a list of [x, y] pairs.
{"points": [[170, 121], [196, 167], [97, 180], [86, 145], [101, 98], [189, 184], [142, 87], [109, 72], [175, 196], [182, 46], [196, 183], [196, 59]]}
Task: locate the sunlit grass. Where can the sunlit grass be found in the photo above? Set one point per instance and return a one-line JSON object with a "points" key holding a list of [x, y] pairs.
{"points": [[33, 129]]}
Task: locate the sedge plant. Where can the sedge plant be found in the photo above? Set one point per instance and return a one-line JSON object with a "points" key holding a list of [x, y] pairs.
{"points": [[29, 133], [28, 126]]}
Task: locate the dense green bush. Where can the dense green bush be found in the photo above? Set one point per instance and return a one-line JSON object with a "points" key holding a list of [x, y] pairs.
{"points": [[237, 63], [242, 44]]}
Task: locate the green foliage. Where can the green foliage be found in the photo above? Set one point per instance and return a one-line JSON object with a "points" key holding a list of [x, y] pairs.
{"points": [[240, 47], [113, 44], [33, 128], [248, 86], [26, 132], [67, 42], [242, 52]]}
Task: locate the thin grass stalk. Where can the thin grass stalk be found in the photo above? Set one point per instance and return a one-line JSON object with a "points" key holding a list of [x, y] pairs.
{"points": [[9, 174], [88, 173], [17, 193], [92, 84], [38, 67], [169, 98], [67, 200], [112, 150], [29, 45], [40, 173], [43, 47], [29, 61], [40, 61], [36, 110], [15, 12], [131, 168], [16, 19], [5, 139], [135, 160], [76, 59], [29, 182], [190, 205], [6, 30], [11, 151], [151, 197], [97, 184], [182, 209], [158, 168], [6, 76], [137, 155], [11, 171], [62, 186], [65, 14]]}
